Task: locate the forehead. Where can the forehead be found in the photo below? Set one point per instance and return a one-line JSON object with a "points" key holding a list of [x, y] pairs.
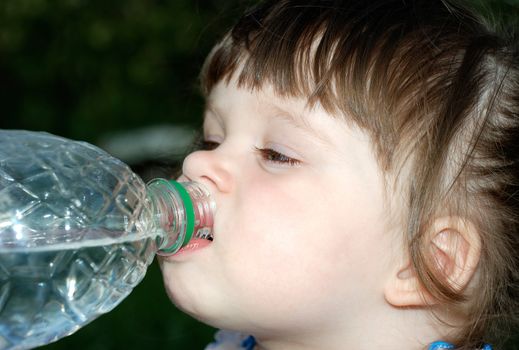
{"points": [[229, 97], [265, 98]]}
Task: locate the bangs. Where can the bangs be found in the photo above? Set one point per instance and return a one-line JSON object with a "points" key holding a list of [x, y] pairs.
{"points": [[356, 60]]}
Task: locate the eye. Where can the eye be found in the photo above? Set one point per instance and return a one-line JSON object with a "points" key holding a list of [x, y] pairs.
{"points": [[273, 156]]}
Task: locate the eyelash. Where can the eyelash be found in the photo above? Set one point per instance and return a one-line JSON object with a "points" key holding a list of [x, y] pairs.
{"points": [[204, 145], [272, 156], [267, 154]]}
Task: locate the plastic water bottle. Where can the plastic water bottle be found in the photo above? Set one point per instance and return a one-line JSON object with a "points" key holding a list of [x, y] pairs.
{"points": [[78, 230]]}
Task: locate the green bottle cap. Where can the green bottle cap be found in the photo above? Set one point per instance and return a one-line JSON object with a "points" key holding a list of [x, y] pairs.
{"points": [[190, 218]]}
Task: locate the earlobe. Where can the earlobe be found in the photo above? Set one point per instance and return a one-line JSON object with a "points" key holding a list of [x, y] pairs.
{"points": [[453, 248]]}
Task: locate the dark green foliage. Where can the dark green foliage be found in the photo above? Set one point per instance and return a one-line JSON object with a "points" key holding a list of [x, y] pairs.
{"points": [[81, 68]]}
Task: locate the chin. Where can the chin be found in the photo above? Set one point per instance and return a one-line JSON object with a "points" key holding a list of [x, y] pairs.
{"points": [[187, 295], [201, 310]]}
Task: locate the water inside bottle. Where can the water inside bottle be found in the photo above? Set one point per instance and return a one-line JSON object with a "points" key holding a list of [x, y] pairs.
{"points": [[49, 292]]}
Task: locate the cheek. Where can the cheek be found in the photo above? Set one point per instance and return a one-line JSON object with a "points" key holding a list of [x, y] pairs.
{"points": [[291, 216], [288, 241]]}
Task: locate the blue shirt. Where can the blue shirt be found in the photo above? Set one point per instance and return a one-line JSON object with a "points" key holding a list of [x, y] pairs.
{"points": [[226, 340]]}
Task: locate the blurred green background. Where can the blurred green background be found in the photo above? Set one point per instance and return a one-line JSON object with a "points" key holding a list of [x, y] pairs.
{"points": [[122, 75]]}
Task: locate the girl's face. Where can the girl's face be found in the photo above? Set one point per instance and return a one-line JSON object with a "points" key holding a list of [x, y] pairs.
{"points": [[301, 239]]}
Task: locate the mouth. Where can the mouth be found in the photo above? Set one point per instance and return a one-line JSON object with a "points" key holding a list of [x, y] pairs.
{"points": [[201, 239]]}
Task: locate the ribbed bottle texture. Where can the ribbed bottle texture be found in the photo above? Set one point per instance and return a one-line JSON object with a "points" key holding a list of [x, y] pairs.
{"points": [[78, 230]]}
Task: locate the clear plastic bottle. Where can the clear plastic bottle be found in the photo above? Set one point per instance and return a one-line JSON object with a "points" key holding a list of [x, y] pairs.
{"points": [[78, 230]]}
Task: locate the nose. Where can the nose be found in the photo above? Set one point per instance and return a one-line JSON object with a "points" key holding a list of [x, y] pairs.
{"points": [[211, 168]]}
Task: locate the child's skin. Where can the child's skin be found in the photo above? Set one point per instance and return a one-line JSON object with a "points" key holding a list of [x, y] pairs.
{"points": [[305, 253]]}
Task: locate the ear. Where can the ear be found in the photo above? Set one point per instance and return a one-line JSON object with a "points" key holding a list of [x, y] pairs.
{"points": [[454, 248]]}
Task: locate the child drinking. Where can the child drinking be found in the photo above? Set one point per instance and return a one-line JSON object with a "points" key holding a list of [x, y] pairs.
{"points": [[364, 159]]}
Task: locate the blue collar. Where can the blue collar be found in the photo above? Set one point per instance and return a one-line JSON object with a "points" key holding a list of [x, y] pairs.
{"points": [[249, 343], [438, 345]]}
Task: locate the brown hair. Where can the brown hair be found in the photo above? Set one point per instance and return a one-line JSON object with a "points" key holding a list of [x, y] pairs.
{"points": [[436, 89]]}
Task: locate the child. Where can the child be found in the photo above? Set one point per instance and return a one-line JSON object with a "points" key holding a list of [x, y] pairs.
{"points": [[363, 156]]}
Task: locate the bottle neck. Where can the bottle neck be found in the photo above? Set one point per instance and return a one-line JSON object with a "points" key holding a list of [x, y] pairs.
{"points": [[180, 211]]}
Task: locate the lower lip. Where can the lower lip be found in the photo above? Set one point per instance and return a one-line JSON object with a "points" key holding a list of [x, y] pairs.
{"points": [[193, 245]]}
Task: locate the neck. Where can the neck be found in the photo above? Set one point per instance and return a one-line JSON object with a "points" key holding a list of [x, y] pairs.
{"points": [[410, 329]]}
